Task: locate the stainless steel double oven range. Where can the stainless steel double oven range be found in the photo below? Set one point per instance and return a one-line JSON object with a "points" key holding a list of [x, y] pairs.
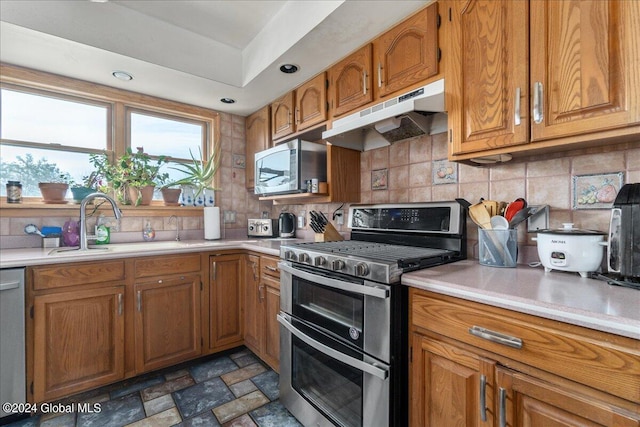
{"points": [[343, 318]]}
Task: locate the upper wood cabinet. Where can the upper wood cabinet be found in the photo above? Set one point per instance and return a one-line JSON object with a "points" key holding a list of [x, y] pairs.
{"points": [[582, 85], [350, 82], [408, 53], [300, 109], [311, 102], [258, 138], [282, 116]]}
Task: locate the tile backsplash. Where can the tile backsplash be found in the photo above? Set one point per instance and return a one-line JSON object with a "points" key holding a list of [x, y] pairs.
{"points": [[414, 170]]}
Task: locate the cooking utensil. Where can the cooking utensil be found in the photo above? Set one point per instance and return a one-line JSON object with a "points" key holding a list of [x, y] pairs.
{"points": [[479, 214], [514, 207], [492, 207], [499, 222]]}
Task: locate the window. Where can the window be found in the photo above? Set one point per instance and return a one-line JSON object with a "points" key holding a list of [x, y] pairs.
{"points": [[45, 135]]}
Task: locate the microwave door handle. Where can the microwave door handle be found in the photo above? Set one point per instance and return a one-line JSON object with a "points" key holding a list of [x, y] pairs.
{"points": [[383, 374], [336, 284]]}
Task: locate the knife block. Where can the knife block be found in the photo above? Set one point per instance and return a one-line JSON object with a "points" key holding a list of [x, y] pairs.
{"points": [[330, 234]]}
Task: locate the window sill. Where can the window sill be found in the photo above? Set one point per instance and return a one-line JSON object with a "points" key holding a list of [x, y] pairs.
{"points": [[34, 207]]}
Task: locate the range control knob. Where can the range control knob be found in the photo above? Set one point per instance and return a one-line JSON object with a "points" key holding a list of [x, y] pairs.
{"points": [[320, 261], [337, 265], [251, 227], [361, 269], [304, 257], [290, 255]]}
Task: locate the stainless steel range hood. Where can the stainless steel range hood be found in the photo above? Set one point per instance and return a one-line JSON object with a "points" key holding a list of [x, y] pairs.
{"points": [[414, 113]]}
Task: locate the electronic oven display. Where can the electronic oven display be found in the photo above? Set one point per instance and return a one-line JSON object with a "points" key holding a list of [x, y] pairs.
{"points": [[420, 219]]}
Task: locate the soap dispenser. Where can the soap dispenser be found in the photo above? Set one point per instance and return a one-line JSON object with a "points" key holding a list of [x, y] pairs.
{"points": [[148, 233]]}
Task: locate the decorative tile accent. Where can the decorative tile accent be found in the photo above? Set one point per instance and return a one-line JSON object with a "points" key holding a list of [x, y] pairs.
{"points": [[379, 179], [239, 161], [596, 191], [444, 172]]}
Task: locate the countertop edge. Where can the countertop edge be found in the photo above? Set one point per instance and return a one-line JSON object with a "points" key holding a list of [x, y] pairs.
{"points": [[616, 325]]}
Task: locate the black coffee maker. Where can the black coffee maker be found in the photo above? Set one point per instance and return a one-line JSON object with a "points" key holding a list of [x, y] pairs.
{"points": [[624, 234]]}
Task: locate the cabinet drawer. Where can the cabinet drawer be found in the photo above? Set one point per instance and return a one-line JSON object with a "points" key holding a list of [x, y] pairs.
{"points": [[269, 267], [172, 264], [603, 361], [59, 276]]}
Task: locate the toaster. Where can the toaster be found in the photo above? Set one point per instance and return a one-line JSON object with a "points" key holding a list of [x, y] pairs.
{"points": [[262, 227]]}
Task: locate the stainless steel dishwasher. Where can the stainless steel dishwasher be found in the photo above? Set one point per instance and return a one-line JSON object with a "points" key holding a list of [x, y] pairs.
{"points": [[12, 351]]}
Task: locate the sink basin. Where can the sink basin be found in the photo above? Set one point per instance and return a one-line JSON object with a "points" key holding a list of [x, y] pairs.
{"points": [[146, 246]]}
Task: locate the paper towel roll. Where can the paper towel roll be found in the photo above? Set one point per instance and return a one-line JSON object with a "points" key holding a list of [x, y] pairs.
{"points": [[211, 222]]}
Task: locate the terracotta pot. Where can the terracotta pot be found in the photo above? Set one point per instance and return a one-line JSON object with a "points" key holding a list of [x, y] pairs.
{"points": [[171, 196], [141, 196], [53, 192]]}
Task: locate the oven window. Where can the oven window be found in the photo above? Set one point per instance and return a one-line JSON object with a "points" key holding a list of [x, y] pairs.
{"points": [[334, 388], [338, 312]]}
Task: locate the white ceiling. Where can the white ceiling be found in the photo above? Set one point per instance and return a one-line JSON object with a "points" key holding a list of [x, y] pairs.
{"points": [[193, 51]]}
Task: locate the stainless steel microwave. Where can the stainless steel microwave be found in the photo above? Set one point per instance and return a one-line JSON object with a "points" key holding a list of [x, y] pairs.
{"points": [[286, 168]]}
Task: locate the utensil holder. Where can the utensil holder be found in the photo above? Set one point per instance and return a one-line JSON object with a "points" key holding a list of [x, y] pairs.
{"points": [[330, 234], [498, 248]]}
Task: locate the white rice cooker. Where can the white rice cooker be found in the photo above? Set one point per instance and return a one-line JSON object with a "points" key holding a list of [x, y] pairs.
{"points": [[571, 249]]}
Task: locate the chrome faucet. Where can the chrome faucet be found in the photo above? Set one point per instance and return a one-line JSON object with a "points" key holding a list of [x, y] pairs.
{"points": [[177, 226], [83, 217]]}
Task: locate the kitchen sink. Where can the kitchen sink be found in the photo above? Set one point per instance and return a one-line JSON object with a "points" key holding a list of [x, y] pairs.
{"points": [[145, 246]]}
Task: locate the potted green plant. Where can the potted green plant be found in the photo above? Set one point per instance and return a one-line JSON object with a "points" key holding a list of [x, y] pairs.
{"points": [[90, 184], [55, 191], [200, 174], [169, 190], [132, 176]]}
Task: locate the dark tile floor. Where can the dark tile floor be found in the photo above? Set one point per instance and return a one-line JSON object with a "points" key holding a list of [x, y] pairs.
{"points": [[234, 389]]}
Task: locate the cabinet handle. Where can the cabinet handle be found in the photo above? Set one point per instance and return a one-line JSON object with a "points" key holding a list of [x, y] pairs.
{"points": [[496, 337], [379, 74], [119, 304], [260, 294], [215, 270], [517, 108], [254, 269], [483, 397], [139, 301], [268, 267], [503, 407], [297, 115], [538, 103], [364, 82]]}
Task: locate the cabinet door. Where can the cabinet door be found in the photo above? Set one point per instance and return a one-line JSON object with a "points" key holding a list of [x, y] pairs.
{"points": [[408, 53], [225, 301], [282, 120], [78, 341], [253, 309], [167, 322], [448, 386], [271, 303], [258, 136], [488, 77], [526, 401], [350, 82], [584, 59], [311, 102]]}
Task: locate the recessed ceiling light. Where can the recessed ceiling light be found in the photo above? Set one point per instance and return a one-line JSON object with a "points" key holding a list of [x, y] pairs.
{"points": [[227, 100], [288, 68], [122, 75]]}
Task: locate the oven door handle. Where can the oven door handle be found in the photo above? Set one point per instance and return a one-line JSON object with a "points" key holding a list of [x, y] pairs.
{"points": [[336, 284], [383, 374]]}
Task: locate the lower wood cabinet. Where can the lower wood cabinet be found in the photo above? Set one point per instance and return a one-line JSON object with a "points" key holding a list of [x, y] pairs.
{"points": [[262, 304], [167, 321], [548, 373], [225, 301], [78, 340]]}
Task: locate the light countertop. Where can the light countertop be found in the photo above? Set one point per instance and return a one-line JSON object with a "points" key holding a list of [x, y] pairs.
{"points": [[36, 256], [556, 295]]}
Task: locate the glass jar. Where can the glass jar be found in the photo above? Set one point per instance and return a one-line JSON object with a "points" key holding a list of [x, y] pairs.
{"points": [[14, 192]]}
